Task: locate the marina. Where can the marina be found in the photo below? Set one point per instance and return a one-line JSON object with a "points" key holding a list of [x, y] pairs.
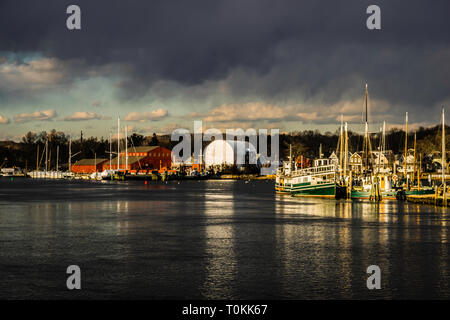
{"points": [[373, 174], [215, 157], [375, 179]]}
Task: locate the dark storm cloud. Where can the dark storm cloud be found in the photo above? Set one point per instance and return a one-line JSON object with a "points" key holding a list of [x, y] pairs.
{"points": [[316, 49]]}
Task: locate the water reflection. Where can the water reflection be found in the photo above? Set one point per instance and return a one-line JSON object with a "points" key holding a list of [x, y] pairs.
{"points": [[220, 267], [344, 237], [217, 239]]}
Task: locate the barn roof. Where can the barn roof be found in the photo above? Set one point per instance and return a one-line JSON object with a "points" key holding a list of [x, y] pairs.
{"points": [[89, 162], [140, 149], [131, 160]]}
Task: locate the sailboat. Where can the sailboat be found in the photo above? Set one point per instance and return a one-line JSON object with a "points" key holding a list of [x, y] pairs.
{"points": [[344, 174], [374, 183], [47, 173], [408, 187], [108, 174]]}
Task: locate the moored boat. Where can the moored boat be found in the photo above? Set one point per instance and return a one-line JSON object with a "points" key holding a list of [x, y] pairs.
{"points": [[316, 181], [374, 187]]}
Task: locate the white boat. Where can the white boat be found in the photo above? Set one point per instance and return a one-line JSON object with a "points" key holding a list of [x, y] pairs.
{"points": [[96, 176], [48, 175], [106, 174]]}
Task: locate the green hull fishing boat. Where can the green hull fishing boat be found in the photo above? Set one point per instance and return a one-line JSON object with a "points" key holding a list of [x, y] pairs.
{"points": [[325, 190], [316, 181], [361, 194]]}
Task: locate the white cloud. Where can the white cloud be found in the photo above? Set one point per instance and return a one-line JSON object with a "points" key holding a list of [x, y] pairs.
{"points": [[309, 116], [35, 116], [164, 129], [314, 113], [4, 120], [83, 115], [144, 116], [36, 74], [247, 111]]}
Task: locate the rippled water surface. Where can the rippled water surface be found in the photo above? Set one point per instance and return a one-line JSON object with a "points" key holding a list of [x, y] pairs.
{"points": [[214, 240]]}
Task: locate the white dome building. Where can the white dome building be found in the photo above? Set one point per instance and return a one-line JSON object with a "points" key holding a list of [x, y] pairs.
{"points": [[223, 152]]}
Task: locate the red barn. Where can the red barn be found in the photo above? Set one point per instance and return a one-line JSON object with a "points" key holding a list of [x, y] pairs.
{"points": [[142, 158], [89, 165]]}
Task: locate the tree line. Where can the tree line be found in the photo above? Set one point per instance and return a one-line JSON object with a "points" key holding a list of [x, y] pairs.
{"points": [[307, 143], [30, 152]]}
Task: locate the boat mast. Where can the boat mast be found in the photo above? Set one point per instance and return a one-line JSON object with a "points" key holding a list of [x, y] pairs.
{"points": [[110, 151], [366, 147], [414, 166], [126, 148], [37, 159], [419, 169], [46, 162], [341, 144], [380, 150], [290, 159], [46, 154], [118, 144], [366, 133], [50, 159], [70, 154], [367, 94], [57, 157], [50, 155], [200, 156], [443, 150], [345, 150], [406, 144]]}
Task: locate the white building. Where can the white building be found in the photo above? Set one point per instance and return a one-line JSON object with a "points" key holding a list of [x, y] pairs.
{"points": [[409, 164], [380, 162], [223, 152]]}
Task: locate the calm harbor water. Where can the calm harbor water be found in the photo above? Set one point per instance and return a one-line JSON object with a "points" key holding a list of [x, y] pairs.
{"points": [[214, 240]]}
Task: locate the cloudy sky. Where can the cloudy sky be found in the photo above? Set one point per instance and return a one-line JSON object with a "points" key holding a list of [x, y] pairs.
{"points": [[159, 65]]}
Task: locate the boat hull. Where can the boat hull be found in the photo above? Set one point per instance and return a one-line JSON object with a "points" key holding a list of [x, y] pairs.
{"points": [[326, 190], [419, 192], [401, 195], [385, 195], [282, 189]]}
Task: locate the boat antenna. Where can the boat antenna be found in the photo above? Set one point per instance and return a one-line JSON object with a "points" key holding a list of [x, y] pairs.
{"points": [[367, 94]]}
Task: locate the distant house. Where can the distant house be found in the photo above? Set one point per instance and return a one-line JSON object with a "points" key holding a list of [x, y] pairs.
{"points": [[355, 163], [381, 161], [437, 165], [409, 164], [88, 165], [334, 159]]}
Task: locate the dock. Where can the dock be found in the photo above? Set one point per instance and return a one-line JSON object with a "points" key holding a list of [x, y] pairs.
{"points": [[429, 199], [246, 177]]}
